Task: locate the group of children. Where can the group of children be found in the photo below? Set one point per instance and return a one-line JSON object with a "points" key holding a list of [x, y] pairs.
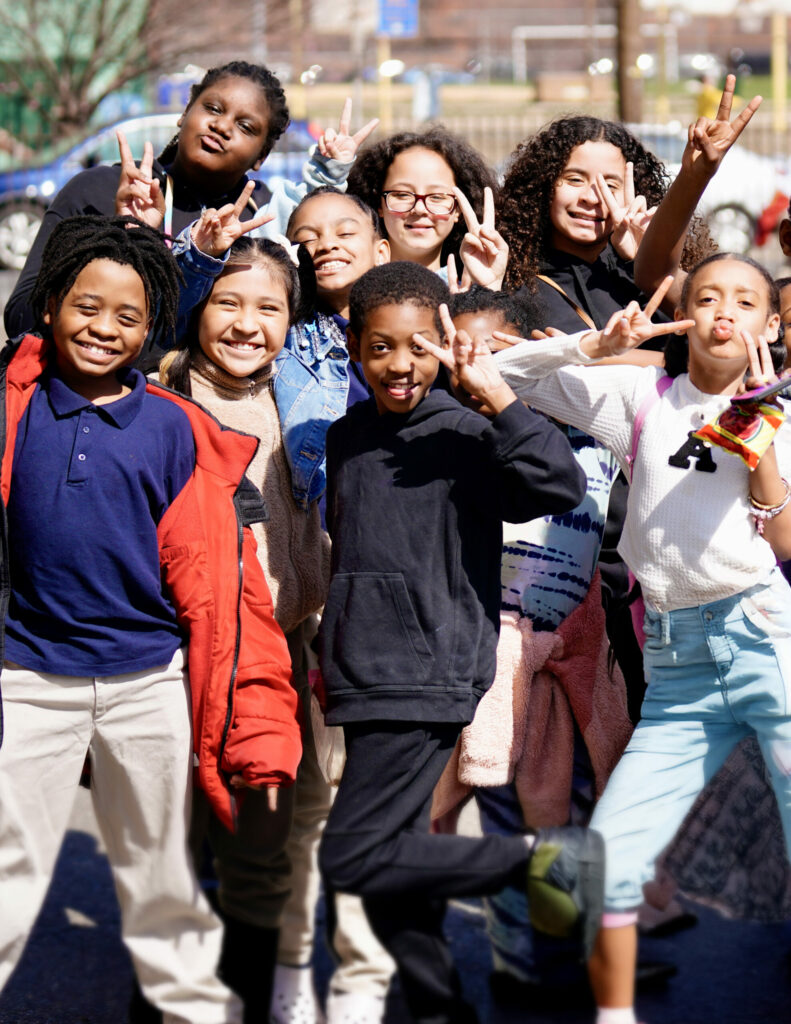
{"points": [[341, 415]]}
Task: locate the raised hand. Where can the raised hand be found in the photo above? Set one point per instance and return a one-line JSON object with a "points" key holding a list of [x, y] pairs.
{"points": [[471, 363], [139, 193], [340, 145], [483, 251], [629, 219], [217, 230], [709, 141], [630, 327], [456, 284], [761, 367]]}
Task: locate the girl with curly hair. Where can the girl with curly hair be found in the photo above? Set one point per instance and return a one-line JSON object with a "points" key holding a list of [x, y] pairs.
{"points": [[576, 200], [410, 178]]}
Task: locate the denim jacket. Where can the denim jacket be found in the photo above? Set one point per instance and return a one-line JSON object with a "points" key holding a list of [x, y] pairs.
{"points": [[311, 387]]}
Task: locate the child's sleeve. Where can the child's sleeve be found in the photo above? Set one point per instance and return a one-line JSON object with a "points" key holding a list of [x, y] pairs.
{"points": [[317, 171], [554, 376], [528, 468], [264, 744], [199, 271]]}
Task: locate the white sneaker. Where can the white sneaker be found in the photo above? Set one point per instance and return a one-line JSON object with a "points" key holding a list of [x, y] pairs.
{"points": [[355, 1008], [294, 999]]}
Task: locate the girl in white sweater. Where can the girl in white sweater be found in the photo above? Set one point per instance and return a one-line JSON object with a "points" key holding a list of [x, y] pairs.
{"points": [[702, 536]]}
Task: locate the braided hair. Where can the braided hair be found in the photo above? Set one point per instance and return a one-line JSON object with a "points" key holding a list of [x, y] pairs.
{"points": [[278, 118], [78, 241], [533, 172], [470, 172]]}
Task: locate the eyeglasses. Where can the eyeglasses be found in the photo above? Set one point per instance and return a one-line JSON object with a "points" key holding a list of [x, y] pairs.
{"points": [[401, 201]]}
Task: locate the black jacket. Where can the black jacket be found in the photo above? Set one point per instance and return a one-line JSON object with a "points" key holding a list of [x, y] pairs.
{"points": [[93, 191], [600, 289], [415, 505]]}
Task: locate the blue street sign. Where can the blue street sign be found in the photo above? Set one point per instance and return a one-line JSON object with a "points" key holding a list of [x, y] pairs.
{"points": [[398, 18]]}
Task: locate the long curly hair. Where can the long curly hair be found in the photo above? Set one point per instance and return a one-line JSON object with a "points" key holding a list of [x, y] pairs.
{"points": [[470, 171], [534, 170]]}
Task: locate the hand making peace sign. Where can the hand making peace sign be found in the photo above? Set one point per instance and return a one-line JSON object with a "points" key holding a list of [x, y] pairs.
{"points": [[625, 330], [483, 252], [217, 230], [139, 193], [629, 219], [471, 363], [341, 145], [709, 141]]}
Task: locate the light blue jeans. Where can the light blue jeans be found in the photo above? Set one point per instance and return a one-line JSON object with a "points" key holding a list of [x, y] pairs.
{"points": [[716, 672]]}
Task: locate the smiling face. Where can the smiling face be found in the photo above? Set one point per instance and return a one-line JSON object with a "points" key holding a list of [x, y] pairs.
{"points": [[725, 298], [418, 235], [342, 243], [244, 323], [580, 221], [398, 370], [100, 327], [222, 134]]}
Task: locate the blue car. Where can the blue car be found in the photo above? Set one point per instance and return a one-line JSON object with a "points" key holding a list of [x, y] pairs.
{"points": [[26, 192]]}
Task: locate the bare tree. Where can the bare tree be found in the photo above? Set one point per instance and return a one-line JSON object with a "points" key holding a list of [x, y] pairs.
{"points": [[63, 57]]}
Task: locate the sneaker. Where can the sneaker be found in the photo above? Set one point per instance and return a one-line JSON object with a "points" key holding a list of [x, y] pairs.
{"points": [[565, 883], [294, 999], [355, 1008]]}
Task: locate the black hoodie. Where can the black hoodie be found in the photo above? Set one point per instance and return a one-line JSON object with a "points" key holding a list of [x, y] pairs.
{"points": [[415, 505]]}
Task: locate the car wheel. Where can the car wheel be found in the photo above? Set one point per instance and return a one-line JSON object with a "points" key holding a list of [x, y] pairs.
{"points": [[732, 228], [19, 224]]}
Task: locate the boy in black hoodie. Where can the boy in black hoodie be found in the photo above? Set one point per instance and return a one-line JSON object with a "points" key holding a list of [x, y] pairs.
{"points": [[418, 488]]}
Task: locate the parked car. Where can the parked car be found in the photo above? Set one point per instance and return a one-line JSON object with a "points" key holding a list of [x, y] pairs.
{"points": [[26, 192], [745, 199]]}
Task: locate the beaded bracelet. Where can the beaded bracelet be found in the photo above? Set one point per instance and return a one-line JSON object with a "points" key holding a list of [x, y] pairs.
{"points": [[763, 513]]}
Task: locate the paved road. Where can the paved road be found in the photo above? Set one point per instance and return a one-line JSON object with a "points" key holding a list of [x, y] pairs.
{"points": [[75, 970]]}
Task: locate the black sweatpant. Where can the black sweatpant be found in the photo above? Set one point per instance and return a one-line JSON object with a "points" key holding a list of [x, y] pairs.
{"points": [[377, 844]]}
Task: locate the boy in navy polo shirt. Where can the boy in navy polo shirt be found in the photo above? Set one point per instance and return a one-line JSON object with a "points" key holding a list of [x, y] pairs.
{"points": [[112, 486]]}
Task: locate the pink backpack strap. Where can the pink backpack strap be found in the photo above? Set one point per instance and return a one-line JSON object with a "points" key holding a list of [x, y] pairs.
{"points": [[646, 406]]}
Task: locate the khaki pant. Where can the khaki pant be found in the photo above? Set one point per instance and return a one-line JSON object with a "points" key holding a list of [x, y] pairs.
{"points": [[268, 873], [138, 730]]}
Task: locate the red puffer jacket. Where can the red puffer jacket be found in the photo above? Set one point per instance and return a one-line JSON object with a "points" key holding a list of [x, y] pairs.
{"points": [[244, 707]]}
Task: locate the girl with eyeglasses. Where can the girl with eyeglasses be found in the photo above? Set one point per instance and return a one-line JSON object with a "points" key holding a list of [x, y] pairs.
{"points": [[409, 178]]}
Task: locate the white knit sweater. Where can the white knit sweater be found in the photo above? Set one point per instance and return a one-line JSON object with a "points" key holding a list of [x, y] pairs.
{"points": [[689, 537]]}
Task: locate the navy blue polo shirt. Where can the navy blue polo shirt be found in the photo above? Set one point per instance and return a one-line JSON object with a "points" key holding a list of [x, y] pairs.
{"points": [[88, 488]]}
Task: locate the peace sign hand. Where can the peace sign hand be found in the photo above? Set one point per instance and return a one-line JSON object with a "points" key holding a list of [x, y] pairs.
{"points": [[217, 230], [761, 367], [630, 327], [709, 141], [341, 145], [139, 193], [483, 251], [471, 363], [629, 220], [456, 284]]}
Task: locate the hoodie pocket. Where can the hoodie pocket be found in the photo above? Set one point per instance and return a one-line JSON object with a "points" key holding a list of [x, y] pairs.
{"points": [[372, 633]]}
